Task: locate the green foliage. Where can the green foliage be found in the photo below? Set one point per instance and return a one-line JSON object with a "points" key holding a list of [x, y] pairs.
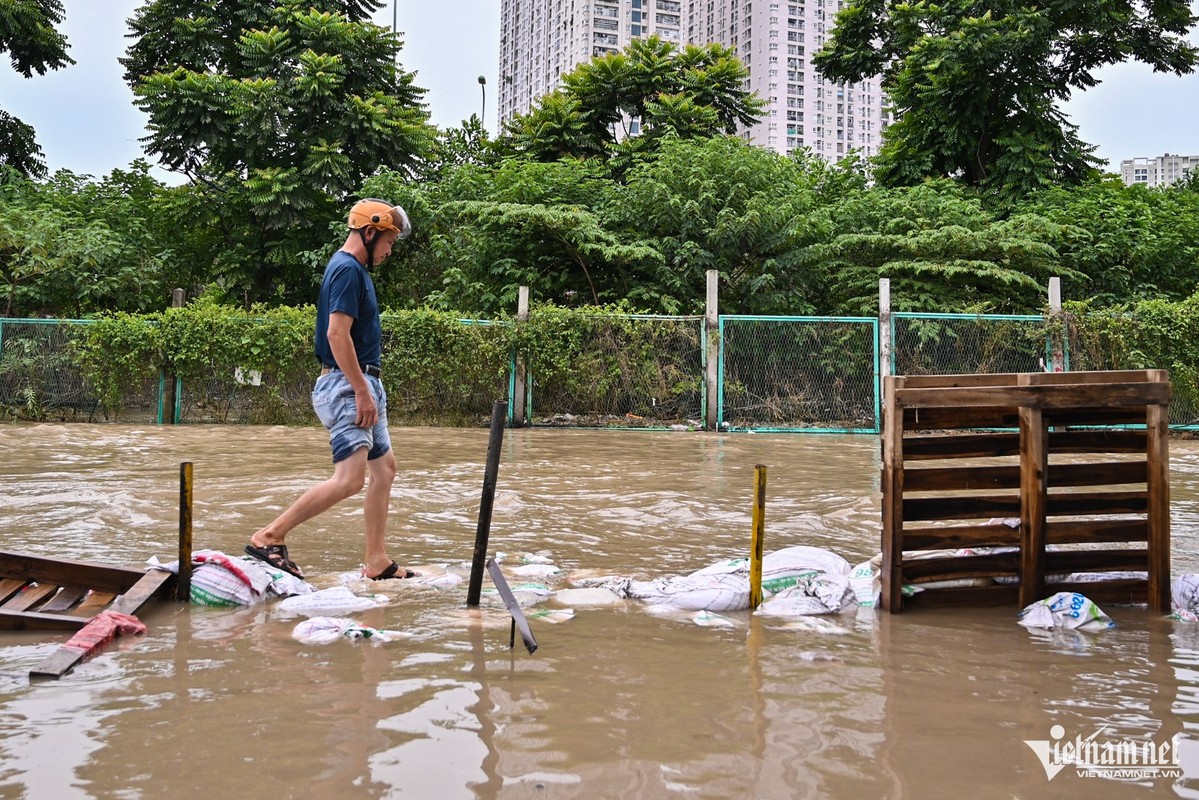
{"points": [[280, 111], [941, 251], [976, 87], [28, 35], [692, 92], [1149, 334], [73, 246], [1125, 243], [725, 205]]}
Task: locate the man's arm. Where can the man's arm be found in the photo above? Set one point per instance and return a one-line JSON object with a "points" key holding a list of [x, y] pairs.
{"points": [[347, 360]]}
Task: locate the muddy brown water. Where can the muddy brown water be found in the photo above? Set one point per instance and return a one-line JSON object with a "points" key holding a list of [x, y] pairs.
{"points": [[616, 702]]}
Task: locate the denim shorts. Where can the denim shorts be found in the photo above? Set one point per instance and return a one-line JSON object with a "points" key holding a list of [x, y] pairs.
{"points": [[333, 401]]}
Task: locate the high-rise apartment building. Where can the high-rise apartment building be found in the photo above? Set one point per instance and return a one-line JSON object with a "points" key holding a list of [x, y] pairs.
{"points": [[1162, 170], [542, 39]]}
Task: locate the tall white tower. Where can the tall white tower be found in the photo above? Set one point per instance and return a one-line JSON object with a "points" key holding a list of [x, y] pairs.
{"points": [[542, 39]]}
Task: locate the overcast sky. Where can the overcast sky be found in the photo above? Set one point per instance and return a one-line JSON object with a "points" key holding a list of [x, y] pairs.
{"points": [[86, 122]]}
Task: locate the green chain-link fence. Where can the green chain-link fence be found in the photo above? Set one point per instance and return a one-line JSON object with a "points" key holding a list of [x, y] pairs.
{"points": [[774, 373], [799, 373]]}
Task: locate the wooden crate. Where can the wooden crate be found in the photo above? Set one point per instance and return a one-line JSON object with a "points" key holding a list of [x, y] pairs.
{"points": [[1079, 458]]}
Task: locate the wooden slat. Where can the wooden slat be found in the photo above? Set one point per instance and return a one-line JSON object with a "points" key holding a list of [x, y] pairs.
{"points": [[1097, 473], [31, 597], [37, 621], [1097, 441], [951, 537], [1114, 591], [935, 419], [1001, 379], [1096, 530], [1120, 560], [994, 595], [9, 587], [944, 479], [923, 570], [64, 600], [964, 507], [63, 572], [1082, 503], [1105, 395], [93, 604], [1092, 417], [964, 445], [154, 582]]}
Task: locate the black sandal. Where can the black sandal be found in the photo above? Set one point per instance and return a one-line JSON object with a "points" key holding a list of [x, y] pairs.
{"points": [[276, 556]]}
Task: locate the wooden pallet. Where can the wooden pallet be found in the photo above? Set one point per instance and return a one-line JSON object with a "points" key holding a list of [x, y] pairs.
{"points": [[50, 594], [1078, 458]]}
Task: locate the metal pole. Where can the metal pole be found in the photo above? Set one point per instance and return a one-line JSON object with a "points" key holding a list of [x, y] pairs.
{"points": [[759, 535], [884, 326], [499, 413], [185, 532], [483, 111]]}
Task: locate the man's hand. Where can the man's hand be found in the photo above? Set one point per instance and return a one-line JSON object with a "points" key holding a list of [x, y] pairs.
{"points": [[368, 412]]}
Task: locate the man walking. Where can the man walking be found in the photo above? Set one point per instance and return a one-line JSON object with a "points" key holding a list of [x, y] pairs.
{"points": [[348, 396]]}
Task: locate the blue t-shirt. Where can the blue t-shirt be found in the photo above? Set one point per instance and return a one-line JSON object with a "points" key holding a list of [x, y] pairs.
{"points": [[347, 287]]}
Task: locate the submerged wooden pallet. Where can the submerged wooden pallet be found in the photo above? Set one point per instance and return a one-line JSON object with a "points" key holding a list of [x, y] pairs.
{"points": [[1079, 459], [50, 594]]}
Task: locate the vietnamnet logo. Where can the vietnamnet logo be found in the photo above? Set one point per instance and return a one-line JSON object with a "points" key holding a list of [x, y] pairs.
{"points": [[1126, 759]]}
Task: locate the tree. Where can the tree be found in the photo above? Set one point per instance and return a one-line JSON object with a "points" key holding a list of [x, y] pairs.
{"points": [[975, 84], [722, 204], [942, 251], [27, 34], [72, 246], [279, 111], [696, 91]]}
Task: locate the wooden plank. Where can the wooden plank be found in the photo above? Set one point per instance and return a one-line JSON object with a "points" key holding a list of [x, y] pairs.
{"points": [[1096, 530], [65, 599], [1097, 473], [943, 479], [1100, 592], [1034, 490], [93, 604], [1118, 560], [65, 572], [994, 595], [9, 587], [1158, 489], [935, 419], [1091, 417], [963, 507], [952, 537], [1062, 396], [960, 445], [37, 621], [890, 573], [1097, 441], [1000, 379], [29, 598], [154, 582], [1081, 503], [924, 570]]}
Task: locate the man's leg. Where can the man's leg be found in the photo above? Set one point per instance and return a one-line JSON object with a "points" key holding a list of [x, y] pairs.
{"points": [[348, 476], [375, 508]]}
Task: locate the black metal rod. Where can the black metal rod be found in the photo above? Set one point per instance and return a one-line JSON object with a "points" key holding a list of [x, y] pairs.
{"points": [[184, 581], [499, 415]]}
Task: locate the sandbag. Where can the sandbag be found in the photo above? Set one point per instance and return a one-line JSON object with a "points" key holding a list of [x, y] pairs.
{"points": [[1069, 610]]}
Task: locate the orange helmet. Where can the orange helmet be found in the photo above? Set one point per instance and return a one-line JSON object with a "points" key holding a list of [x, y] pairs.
{"points": [[380, 215]]}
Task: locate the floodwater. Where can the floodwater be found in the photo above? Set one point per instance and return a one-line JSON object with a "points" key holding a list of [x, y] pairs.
{"points": [[616, 702]]}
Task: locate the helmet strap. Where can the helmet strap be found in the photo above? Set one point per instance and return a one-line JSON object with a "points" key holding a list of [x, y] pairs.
{"points": [[369, 246]]}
